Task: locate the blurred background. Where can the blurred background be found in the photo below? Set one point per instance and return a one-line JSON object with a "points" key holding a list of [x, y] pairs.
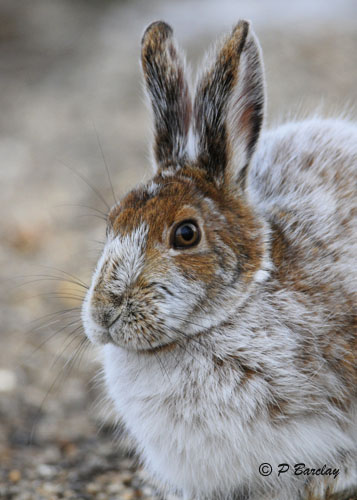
{"points": [[70, 100]]}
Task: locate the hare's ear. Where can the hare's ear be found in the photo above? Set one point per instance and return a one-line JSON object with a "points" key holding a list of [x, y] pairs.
{"points": [[229, 107], [168, 92]]}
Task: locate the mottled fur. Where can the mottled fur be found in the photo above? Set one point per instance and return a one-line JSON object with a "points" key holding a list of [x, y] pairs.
{"points": [[168, 91], [242, 349]]}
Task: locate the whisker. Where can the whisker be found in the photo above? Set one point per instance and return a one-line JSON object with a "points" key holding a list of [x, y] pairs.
{"points": [[187, 351], [88, 184], [67, 345], [105, 163], [58, 313], [85, 345], [182, 318], [48, 278], [194, 336], [182, 346], [66, 273], [163, 369], [82, 206], [189, 322], [49, 324], [92, 215], [58, 295], [59, 377], [54, 334]]}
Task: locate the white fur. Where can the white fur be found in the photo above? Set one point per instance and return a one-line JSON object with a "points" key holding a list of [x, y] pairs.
{"points": [[129, 252], [191, 147]]}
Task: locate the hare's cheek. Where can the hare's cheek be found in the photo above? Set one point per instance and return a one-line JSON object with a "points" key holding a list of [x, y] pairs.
{"points": [[179, 297]]}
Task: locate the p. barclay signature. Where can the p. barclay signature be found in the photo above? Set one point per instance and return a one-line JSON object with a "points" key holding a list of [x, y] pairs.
{"points": [[302, 470], [265, 469]]}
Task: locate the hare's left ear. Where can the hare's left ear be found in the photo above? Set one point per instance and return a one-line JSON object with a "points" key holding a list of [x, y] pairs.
{"points": [[229, 107], [169, 94]]}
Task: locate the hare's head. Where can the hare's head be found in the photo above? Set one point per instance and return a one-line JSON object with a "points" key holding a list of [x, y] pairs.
{"points": [[185, 248]]}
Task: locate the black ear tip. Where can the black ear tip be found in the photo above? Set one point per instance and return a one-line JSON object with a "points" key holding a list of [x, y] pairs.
{"points": [[239, 35], [242, 24], [157, 29]]}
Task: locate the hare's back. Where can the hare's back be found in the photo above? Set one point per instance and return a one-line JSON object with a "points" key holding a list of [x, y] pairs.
{"points": [[313, 161], [303, 177], [309, 170]]}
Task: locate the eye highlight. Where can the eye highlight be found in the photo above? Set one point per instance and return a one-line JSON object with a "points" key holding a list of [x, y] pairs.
{"points": [[185, 234]]}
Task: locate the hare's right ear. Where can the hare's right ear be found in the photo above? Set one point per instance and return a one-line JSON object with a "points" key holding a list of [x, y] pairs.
{"points": [[169, 94]]}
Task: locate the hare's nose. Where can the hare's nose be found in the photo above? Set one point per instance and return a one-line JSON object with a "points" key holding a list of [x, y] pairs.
{"points": [[106, 308], [106, 318], [114, 320]]}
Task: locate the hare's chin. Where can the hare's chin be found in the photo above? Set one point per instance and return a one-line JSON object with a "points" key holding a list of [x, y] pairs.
{"points": [[140, 349], [141, 346], [160, 348]]}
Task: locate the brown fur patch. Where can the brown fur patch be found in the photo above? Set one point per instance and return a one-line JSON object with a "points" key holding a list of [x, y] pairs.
{"points": [[339, 344], [278, 409], [160, 349], [183, 197], [247, 372], [330, 491]]}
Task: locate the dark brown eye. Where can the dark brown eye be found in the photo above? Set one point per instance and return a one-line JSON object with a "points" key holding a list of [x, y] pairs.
{"points": [[186, 234]]}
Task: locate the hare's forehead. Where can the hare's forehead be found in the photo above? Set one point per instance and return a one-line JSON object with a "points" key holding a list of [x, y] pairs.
{"points": [[155, 207]]}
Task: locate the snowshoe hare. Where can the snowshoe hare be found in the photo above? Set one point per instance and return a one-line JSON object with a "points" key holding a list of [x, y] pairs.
{"points": [[225, 297]]}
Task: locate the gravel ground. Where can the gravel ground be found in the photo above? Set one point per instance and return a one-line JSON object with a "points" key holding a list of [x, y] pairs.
{"points": [[70, 81]]}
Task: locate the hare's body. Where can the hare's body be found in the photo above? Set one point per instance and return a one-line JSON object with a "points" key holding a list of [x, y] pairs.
{"points": [[226, 291], [255, 387]]}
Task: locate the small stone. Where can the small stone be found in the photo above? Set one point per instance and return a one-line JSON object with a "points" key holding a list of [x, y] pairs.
{"points": [[115, 488], [93, 488], [25, 496], [7, 381], [14, 490], [68, 448], [14, 475], [126, 463], [68, 494], [50, 488], [47, 471], [146, 491], [126, 477], [128, 495], [51, 455]]}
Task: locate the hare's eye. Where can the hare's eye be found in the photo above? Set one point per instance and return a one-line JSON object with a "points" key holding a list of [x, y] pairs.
{"points": [[185, 234]]}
